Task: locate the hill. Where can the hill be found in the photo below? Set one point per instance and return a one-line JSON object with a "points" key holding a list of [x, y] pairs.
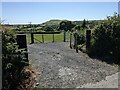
{"points": [[57, 22], [51, 22]]}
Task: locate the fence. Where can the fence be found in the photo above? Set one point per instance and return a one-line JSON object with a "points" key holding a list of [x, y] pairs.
{"points": [[42, 33], [76, 39], [22, 42], [33, 37]]}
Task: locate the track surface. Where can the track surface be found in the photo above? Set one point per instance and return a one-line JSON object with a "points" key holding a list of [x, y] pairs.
{"points": [[61, 67]]}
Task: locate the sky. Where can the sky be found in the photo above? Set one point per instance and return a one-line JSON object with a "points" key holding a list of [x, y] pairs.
{"points": [[39, 12]]}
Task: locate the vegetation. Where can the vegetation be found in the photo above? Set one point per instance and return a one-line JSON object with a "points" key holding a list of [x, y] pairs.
{"points": [[105, 34], [66, 26], [14, 63], [84, 24], [106, 39], [48, 29], [54, 24]]}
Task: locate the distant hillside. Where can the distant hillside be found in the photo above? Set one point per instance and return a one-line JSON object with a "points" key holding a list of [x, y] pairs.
{"points": [[57, 22], [78, 22], [54, 22], [51, 22]]}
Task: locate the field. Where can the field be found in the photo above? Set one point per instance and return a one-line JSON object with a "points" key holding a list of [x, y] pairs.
{"points": [[48, 38]]}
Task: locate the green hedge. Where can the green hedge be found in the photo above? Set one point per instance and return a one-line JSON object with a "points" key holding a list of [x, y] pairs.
{"points": [[106, 39], [13, 61]]}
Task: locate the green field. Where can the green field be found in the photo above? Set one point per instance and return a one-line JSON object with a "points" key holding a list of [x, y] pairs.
{"points": [[48, 38]]}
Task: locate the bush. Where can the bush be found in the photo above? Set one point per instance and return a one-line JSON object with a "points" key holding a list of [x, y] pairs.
{"points": [[48, 29], [107, 39], [80, 39], [13, 61]]}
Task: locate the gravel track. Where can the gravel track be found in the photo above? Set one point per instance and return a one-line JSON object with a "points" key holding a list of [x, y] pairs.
{"points": [[61, 67]]}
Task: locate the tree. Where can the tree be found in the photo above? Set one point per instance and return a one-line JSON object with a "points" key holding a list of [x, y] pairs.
{"points": [[106, 38], [66, 25], [84, 24], [14, 63], [48, 29], [77, 27]]}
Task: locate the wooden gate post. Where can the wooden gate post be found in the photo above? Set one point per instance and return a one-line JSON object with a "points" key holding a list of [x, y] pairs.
{"points": [[42, 38], [71, 40], [32, 38], [88, 39], [21, 41], [76, 47], [22, 44], [64, 36], [53, 37]]}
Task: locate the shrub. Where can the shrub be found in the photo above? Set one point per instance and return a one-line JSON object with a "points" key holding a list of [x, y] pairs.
{"points": [[80, 39], [107, 39], [13, 61]]}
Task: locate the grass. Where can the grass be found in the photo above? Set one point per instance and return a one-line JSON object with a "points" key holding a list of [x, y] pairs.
{"points": [[48, 38]]}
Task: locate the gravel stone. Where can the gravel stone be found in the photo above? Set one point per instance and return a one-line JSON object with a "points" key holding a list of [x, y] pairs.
{"points": [[61, 66]]}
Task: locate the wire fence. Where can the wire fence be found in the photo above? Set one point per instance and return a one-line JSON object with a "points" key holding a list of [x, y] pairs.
{"points": [[78, 40]]}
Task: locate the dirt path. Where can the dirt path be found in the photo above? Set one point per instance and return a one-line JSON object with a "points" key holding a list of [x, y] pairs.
{"points": [[61, 66]]}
